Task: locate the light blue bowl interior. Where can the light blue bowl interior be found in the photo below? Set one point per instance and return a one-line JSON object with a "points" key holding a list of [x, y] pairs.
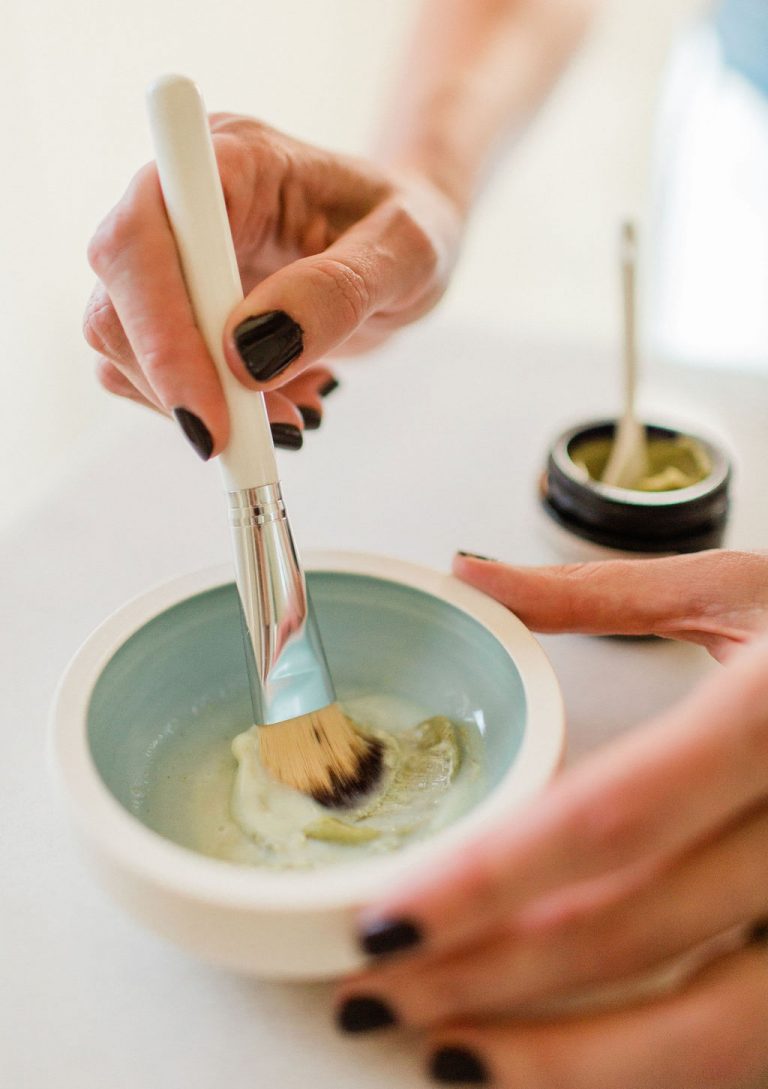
{"points": [[381, 637]]}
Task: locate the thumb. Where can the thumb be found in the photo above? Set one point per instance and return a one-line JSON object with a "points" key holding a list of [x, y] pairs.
{"points": [[701, 597], [297, 315]]}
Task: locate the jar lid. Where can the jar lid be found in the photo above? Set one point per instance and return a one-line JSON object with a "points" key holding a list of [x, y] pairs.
{"points": [[680, 520]]}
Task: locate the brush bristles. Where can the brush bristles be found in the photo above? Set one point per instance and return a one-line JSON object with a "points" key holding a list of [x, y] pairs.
{"points": [[322, 754]]}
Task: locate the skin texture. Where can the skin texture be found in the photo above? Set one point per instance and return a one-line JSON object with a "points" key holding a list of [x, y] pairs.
{"points": [[640, 853], [350, 250]]}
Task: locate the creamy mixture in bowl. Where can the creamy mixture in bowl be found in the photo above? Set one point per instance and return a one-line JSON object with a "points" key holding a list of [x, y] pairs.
{"points": [[215, 798]]}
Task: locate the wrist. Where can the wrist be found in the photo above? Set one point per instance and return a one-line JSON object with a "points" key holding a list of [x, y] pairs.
{"points": [[431, 204], [433, 165]]}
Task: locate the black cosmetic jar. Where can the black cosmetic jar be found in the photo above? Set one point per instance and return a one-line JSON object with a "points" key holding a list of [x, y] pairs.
{"points": [[592, 519]]}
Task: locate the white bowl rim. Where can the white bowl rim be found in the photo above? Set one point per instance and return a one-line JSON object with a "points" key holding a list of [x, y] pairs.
{"points": [[121, 837]]}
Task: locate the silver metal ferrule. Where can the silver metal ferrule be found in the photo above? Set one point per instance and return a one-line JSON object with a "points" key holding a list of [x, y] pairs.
{"points": [[287, 670]]}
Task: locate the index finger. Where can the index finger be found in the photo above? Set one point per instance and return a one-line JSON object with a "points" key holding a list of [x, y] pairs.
{"points": [[705, 597], [390, 261], [645, 798], [134, 254]]}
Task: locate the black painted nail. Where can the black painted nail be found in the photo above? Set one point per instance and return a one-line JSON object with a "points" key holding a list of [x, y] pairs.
{"points": [[364, 1014], [329, 387], [287, 436], [310, 416], [453, 1065], [267, 343], [475, 556], [389, 937], [758, 935], [196, 431]]}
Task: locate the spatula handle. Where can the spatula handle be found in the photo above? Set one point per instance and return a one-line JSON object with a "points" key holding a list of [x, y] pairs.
{"points": [[629, 301], [194, 200]]}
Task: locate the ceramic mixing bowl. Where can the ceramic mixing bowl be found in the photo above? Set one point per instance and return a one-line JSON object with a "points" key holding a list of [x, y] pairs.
{"points": [[388, 627]]}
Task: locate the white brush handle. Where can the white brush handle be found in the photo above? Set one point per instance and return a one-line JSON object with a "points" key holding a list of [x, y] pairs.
{"points": [[194, 200], [629, 299]]}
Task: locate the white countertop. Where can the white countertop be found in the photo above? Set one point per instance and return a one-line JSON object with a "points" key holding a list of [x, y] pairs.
{"points": [[434, 445]]}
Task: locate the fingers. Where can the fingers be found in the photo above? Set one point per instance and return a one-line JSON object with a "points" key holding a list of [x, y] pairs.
{"points": [[105, 334], [707, 597], [719, 886], [651, 795], [298, 406], [304, 393], [134, 255], [114, 381], [711, 1035], [309, 308]]}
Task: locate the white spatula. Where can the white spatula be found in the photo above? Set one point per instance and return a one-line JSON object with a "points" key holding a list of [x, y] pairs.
{"points": [[628, 461]]}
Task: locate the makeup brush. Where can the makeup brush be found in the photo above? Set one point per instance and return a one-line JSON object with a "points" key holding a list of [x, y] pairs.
{"points": [[305, 739], [628, 460]]}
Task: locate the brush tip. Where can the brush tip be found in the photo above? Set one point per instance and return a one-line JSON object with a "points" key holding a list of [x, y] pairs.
{"points": [[323, 754], [343, 790]]}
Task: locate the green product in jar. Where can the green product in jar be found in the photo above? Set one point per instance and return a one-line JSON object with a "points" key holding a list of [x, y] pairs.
{"points": [[672, 463]]}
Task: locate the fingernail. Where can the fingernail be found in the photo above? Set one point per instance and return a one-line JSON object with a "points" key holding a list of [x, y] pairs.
{"points": [[329, 387], [475, 556], [310, 416], [196, 431], [452, 1065], [287, 436], [364, 1014], [758, 935], [378, 939], [267, 343]]}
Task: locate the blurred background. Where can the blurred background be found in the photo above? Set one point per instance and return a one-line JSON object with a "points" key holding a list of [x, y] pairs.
{"points": [[617, 137]]}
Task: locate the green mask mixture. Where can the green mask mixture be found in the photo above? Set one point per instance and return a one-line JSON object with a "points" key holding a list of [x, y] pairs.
{"points": [[209, 792], [672, 463], [421, 763]]}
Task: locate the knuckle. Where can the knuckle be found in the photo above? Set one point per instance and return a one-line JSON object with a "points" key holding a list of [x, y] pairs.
{"points": [[100, 324], [348, 285], [99, 246], [109, 239], [120, 227], [159, 362], [579, 580]]}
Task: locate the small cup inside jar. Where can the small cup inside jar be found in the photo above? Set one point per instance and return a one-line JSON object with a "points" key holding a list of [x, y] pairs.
{"points": [[674, 462]]}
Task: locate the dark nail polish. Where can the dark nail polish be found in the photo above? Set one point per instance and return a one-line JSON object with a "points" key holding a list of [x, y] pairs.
{"points": [[364, 1014], [475, 556], [389, 937], [758, 935], [329, 387], [196, 431], [267, 343], [453, 1065], [310, 416], [287, 436]]}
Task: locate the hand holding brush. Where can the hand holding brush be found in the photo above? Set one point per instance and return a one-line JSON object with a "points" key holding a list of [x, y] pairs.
{"points": [[306, 740]]}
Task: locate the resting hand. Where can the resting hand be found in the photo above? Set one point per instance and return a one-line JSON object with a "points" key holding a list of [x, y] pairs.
{"points": [[639, 854], [333, 252]]}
